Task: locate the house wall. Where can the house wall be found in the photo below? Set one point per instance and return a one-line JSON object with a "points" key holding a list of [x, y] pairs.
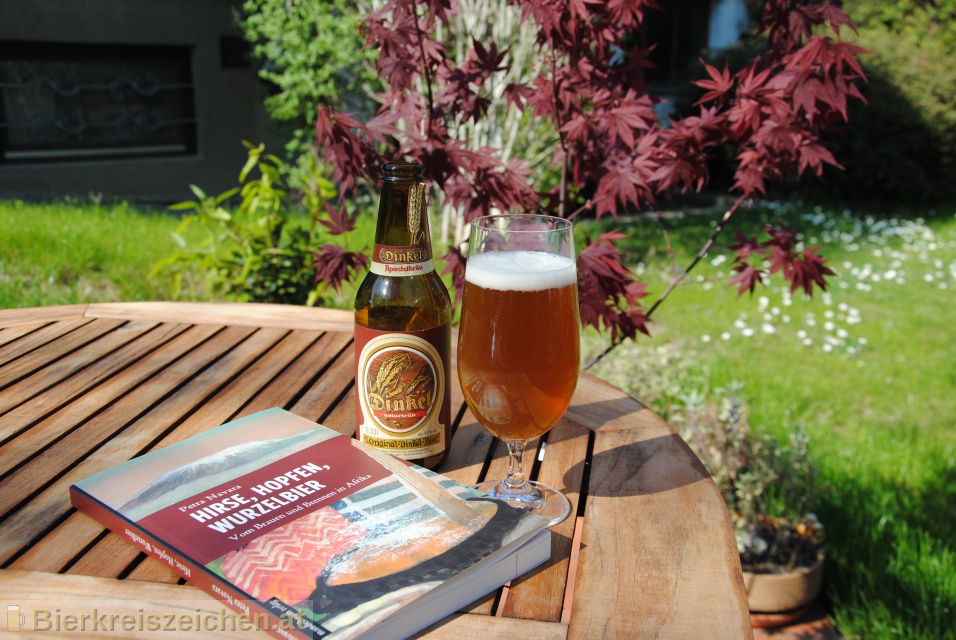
{"points": [[227, 100]]}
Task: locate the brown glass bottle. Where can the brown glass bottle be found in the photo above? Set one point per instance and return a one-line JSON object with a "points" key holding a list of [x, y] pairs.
{"points": [[403, 330]]}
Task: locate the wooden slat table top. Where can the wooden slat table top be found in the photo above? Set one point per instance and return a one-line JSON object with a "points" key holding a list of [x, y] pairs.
{"points": [[649, 554]]}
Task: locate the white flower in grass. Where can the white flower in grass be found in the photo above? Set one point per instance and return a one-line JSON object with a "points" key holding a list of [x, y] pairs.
{"points": [[844, 285], [842, 333], [810, 321], [775, 311], [807, 342], [828, 313], [828, 326], [747, 332], [943, 285], [928, 277], [740, 323], [801, 334], [705, 338], [725, 335], [768, 328], [862, 340], [762, 302], [828, 347], [785, 319], [890, 275]]}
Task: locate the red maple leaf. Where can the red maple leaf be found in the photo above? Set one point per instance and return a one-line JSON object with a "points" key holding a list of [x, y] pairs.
{"points": [[339, 221], [746, 279], [608, 294], [718, 86], [455, 265], [488, 60], [809, 270], [335, 266]]}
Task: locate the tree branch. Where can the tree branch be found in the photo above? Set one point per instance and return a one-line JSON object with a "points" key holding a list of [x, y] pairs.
{"points": [[428, 76], [677, 279]]}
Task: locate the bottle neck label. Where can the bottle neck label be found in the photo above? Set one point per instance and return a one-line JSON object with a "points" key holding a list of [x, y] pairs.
{"points": [[414, 260]]}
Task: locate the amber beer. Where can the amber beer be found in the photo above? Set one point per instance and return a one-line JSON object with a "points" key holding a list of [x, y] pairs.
{"points": [[519, 349], [403, 330]]}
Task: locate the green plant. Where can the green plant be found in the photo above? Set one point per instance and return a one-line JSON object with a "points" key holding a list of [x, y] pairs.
{"points": [[262, 251], [901, 145], [309, 53], [768, 485]]}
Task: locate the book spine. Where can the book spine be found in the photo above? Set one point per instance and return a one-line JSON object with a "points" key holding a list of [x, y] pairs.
{"points": [[193, 572]]}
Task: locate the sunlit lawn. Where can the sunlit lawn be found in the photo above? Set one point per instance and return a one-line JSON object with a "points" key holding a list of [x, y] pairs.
{"points": [[869, 368]]}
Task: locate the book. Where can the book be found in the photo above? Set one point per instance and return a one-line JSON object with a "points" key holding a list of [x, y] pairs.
{"points": [[313, 532]]}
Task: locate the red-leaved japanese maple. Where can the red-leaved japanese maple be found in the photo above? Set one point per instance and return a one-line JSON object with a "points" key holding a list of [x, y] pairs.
{"points": [[588, 82]]}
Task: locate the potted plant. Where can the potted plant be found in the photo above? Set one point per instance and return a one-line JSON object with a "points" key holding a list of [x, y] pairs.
{"points": [[768, 486]]}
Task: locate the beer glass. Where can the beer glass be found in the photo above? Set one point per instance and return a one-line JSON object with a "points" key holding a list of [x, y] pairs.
{"points": [[519, 342]]}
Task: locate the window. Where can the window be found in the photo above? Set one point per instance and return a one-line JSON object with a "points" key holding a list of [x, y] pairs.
{"points": [[76, 101]]}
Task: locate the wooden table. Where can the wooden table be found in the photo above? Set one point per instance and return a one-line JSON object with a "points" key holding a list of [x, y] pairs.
{"points": [[651, 553]]}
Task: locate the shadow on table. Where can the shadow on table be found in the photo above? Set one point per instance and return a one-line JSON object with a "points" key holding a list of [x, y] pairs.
{"points": [[642, 458]]}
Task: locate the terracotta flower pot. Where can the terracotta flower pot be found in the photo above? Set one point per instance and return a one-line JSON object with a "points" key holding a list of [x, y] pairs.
{"points": [[778, 598]]}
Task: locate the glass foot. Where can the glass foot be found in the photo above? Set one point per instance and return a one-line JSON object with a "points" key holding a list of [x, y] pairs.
{"points": [[544, 501]]}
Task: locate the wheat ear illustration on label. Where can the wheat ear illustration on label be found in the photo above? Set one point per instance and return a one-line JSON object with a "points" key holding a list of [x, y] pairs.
{"points": [[416, 194], [422, 382], [386, 381]]}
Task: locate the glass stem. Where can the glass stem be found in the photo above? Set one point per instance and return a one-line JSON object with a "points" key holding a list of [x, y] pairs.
{"points": [[516, 482]]}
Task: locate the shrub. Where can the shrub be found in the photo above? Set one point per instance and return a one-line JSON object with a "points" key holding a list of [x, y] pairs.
{"points": [[901, 145], [768, 485], [612, 154], [258, 253], [309, 53]]}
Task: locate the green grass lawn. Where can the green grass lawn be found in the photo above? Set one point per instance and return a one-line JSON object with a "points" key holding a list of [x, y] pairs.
{"points": [[74, 252], [868, 368]]}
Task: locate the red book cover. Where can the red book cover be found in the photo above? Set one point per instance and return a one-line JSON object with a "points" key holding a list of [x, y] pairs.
{"points": [[281, 517]]}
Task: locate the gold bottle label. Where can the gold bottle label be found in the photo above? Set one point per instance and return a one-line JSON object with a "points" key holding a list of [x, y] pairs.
{"points": [[402, 391]]}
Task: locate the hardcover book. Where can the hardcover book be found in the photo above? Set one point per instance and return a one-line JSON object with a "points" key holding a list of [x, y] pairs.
{"points": [[312, 531]]}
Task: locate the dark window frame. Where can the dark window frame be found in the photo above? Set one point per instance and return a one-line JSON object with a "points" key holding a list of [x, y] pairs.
{"points": [[142, 113]]}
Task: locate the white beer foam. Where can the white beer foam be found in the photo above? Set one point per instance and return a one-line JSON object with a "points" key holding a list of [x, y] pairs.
{"points": [[520, 270]]}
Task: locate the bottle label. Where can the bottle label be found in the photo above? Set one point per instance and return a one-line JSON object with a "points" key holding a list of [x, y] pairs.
{"points": [[402, 390], [402, 261]]}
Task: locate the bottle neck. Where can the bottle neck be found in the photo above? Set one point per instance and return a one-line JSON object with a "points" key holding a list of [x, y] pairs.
{"points": [[402, 238]]}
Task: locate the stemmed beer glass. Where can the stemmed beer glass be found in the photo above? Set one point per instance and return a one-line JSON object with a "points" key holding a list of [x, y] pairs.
{"points": [[519, 347]]}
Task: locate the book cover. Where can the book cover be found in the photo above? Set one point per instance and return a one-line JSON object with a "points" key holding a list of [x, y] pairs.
{"points": [[326, 537]]}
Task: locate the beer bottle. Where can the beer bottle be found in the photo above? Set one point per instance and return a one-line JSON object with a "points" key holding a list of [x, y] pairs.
{"points": [[403, 330]]}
